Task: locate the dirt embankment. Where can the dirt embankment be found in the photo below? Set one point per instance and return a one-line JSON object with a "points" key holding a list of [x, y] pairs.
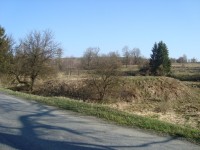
{"points": [[160, 97], [164, 98]]}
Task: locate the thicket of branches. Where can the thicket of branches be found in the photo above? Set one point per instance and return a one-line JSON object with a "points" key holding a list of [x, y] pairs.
{"points": [[30, 59], [103, 74]]}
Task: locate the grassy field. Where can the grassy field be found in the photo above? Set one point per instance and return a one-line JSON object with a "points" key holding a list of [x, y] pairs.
{"points": [[186, 68], [113, 115], [186, 72]]}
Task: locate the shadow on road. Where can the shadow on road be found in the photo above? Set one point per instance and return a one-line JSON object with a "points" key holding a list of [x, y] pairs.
{"points": [[30, 139]]}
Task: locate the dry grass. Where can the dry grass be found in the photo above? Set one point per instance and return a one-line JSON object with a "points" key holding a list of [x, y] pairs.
{"points": [[167, 116], [164, 98], [186, 68]]}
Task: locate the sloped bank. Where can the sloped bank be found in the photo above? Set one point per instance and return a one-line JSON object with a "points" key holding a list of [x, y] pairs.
{"points": [[163, 98], [158, 97]]}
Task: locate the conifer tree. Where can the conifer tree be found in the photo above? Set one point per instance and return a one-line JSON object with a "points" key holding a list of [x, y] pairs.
{"points": [[159, 62], [5, 51]]}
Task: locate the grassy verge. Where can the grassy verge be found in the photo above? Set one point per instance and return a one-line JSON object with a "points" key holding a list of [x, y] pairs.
{"points": [[113, 115]]}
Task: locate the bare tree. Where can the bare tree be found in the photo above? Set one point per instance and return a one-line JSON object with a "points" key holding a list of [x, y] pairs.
{"points": [[89, 56], [194, 60], [182, 59], [135, 55], [185, 58], [58, 60], [126, 54], [104, 76], [173, 60], [71, 64], [33, 55]]}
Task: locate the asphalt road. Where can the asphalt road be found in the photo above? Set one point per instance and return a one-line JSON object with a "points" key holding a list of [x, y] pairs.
{"points": [[28, 125]]}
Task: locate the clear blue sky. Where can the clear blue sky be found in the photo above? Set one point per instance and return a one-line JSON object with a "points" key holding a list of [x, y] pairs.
{"points": [[109, 24]]}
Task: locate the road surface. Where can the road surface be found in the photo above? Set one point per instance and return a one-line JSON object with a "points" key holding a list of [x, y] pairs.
{"points": [[28, 125]]}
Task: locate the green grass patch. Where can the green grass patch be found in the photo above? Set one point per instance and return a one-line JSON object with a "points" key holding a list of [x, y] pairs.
{"points": [[113, 115], [187, 77]]}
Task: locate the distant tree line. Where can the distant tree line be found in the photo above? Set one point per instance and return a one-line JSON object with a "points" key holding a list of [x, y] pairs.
{"points": [[131, 56], [184, 59]]}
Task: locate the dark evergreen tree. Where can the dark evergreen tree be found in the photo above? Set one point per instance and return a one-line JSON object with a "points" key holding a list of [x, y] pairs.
{"points": [[159, 62], [5, 51]]}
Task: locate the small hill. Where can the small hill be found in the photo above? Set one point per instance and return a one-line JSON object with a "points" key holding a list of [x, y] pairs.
{"points": [[159, 97], [158, 89]]}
